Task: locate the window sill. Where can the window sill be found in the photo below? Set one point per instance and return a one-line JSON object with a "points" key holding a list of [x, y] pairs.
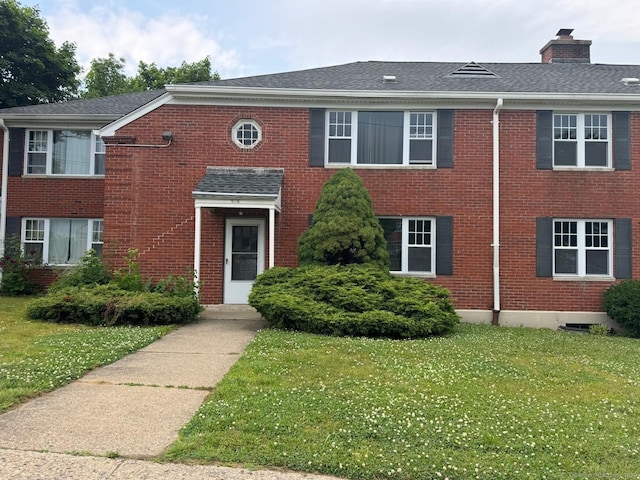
{"points": [[381, 167], [583, 169], [586, 278], [414, 274], [65, 177]]}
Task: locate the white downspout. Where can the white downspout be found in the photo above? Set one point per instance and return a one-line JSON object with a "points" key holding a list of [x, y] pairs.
{"points": [[496, 212], [5, 183]]}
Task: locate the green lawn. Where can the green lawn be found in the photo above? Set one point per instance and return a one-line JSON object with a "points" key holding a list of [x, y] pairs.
{"points": [[483, 403], [36, 357]]}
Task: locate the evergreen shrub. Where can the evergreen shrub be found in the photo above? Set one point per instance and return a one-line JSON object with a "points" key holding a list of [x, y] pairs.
{"points": [[110, 305], [622, 304], [352, 300]]}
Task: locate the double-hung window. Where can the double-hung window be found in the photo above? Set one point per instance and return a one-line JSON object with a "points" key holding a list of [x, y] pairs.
{"points": [[61, 241], [581, 140], [380, 137], [411, 244], [582, 247], [64, 152]]}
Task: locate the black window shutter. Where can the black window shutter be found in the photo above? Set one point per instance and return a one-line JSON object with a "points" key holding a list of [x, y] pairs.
{"points": [[544, 139], [622, 227], [13, 226], [444, 245], [16, 151], [621, 141], [544, 247], [310, 219], [316, 137], [444, 143]]}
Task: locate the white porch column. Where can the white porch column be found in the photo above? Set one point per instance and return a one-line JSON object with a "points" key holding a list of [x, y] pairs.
{"points": [[196, 249], [272, 233]]}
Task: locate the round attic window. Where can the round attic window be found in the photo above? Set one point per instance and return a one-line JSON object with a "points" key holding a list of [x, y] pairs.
{"points": [[246, 133]]}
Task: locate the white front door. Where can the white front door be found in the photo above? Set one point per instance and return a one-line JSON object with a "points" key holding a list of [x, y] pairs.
{"points": [[243, 258]]}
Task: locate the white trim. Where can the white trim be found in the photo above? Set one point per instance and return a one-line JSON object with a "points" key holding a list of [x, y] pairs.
{"points": [[113, 127], [196, 249], [47, 234], [232, 298], [582, 249], [406, 137], [404, 246], [272, 236], [241, 123], [238, 203], [50, 133], [3, 189], [581, 141], [496, 204], [350, 99]]}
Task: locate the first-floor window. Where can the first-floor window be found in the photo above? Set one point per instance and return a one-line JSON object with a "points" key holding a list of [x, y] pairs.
{"points": [[582, 247], [411, 244], [61, 241]]}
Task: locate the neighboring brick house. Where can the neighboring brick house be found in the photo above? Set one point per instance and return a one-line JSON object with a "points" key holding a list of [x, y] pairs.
{"points": [[511, 184]]}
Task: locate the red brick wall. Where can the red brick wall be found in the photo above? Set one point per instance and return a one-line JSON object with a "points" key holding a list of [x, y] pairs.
{"points": [[146, 199], [528, 193], [149, 204]]}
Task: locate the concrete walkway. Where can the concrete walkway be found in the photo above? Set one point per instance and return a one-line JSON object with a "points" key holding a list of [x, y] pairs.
{"points": [[133, 408]]}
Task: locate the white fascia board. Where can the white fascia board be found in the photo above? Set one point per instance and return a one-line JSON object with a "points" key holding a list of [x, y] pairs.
{"points": [[112, 128], [218, 92], [226, 202], [51, 121]]}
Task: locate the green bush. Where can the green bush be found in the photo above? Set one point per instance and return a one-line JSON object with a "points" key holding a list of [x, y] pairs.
{"points": [[622, 304], [111, 305], [90, 271], [16, 267], [345, 229], [352, 300]]}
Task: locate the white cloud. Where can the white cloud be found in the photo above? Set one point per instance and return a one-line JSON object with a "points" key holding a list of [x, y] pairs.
{"points": [[165, 39]]}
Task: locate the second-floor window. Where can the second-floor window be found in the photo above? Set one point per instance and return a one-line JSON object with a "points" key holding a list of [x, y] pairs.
{"points": [[581, 140], [380, 137], [64, 152]]}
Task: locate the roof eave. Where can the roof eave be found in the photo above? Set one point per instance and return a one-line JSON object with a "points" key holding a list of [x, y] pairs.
{"points": [[202, 92]]}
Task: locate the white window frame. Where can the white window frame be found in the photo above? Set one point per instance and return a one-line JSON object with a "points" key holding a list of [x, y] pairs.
{"points": [[94, 150], [582, 249], [581, 141], [92, 226], [238, 126], [404, 268], [406, 140]]}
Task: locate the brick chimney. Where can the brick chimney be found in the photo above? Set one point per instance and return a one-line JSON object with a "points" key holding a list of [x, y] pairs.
{"points": [[565, 49]]}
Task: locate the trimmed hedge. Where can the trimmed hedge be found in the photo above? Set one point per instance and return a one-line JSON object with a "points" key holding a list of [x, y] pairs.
{"points": [[352, 300], [110, 305], [622, 304]]}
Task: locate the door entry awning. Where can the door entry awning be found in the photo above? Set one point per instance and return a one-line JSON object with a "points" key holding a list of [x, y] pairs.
{"points": [[240, 187]]}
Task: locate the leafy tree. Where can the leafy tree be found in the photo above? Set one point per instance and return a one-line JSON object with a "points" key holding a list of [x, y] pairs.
{"points": [[32, 69], [345, 229], [151, 77], [106, 77]]}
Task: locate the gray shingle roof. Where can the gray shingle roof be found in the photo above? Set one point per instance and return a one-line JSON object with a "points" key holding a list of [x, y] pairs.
{"points": [[114, 106], [222, 181], [435, 77], [562, 78]]}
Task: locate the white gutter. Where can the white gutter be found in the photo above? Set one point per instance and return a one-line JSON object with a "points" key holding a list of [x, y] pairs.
{"points": [[5, 183], [496, 211]]}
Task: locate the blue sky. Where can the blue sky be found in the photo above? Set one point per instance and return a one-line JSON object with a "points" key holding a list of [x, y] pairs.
{"points": [[250, 37]]}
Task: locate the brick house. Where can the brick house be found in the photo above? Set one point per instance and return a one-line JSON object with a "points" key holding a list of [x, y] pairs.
{"points": [[511, 184]]}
